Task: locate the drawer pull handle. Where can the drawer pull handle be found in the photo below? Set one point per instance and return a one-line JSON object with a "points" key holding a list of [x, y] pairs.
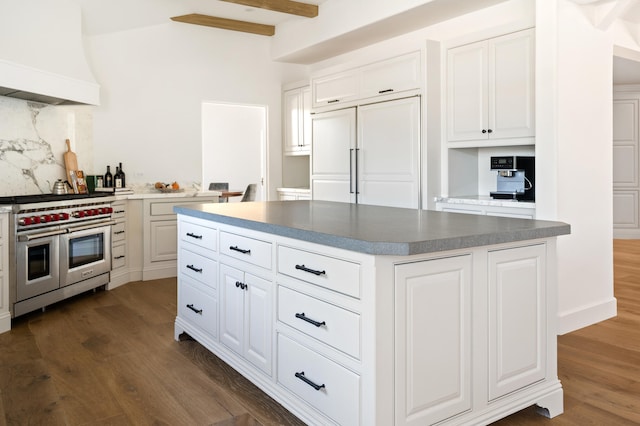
{"points": [[333, 101], [197, 311], [385, 91], [243, 286], [235, 248], [309, 320], [119, 211], [301, 376], [311, 271], [119, 257], [192, 235], [118, 232], [193, 268]]}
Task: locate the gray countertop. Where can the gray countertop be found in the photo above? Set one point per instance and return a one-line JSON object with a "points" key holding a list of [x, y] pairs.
{"points": [[372, 229]]}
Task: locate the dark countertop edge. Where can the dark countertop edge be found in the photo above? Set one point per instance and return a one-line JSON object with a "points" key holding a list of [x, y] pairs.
{"points": [[378, 247]]}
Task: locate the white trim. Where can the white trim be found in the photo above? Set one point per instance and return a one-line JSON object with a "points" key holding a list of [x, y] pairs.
{"points": [[586, 315]]}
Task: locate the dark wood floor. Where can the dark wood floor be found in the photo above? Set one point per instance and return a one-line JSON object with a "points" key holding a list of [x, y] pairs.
{"points": [[109, 358]]}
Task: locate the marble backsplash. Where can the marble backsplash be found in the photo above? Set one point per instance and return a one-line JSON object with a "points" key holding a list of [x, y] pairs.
{"points": [[32, 144]]}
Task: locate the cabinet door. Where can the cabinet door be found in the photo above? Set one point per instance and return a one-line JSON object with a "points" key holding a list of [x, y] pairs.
{"points": [[335, 88], [333, 155], [433, 340], [388, 154], [231, 308], [467, 92], [511, 86], [391, 76], [517, 327], [625, 142], [258, 322], [305, 120], [163, 240], [291, 121]]}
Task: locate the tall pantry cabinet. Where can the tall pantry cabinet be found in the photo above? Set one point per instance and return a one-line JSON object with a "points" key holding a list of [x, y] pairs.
{"points": [[368, 154]]}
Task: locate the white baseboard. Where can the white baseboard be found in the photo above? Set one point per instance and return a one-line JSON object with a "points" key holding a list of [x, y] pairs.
{"points": [[626, 234], [5, 322], [586, 315]]}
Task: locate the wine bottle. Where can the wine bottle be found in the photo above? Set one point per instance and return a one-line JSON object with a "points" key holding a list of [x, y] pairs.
{"points": [[117, 180], [108, 178], [122, 178]]}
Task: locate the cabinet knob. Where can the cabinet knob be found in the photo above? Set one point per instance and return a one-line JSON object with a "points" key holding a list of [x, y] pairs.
{"points": [[490, 131], [484, 131]]}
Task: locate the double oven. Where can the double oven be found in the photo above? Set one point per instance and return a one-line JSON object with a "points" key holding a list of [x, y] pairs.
{"points": [[61, 247]]}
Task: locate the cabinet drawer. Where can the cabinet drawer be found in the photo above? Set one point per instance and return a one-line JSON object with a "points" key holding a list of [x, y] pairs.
{"points": [[339, 394], [118, 232], [247, 249], [198, 267], [335, 274], [198, 306], [118, 256], [334, 326], [200, 235], [119, 210]]}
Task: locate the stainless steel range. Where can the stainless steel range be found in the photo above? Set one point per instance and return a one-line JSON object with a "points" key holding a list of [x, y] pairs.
{"points": [[61, 245]]}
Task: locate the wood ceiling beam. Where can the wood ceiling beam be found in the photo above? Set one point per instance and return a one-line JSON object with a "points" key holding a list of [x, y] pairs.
{"points": [[285, 6], [226, 24]]}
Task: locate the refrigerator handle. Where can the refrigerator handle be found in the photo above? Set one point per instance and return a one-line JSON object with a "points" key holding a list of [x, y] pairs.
{"points": [[357, 177], [351, 171]]}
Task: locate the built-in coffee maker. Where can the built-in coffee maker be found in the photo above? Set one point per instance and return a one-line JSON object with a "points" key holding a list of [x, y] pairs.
{"points": [[516, 178]]}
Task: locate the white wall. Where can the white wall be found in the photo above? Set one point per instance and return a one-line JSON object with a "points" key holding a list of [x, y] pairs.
{"points": [[577, 142], [154, 81]]}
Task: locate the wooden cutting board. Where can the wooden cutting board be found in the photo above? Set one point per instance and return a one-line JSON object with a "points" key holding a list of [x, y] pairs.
{"points": [[70, 160]]}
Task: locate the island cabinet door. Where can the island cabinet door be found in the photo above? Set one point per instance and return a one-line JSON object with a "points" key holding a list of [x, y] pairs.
{"points": [[246, 316], [516, 319], [433, 340]]}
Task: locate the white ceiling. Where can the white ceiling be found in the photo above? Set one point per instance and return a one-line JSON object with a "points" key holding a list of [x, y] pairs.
{"points": [[109, 16]]}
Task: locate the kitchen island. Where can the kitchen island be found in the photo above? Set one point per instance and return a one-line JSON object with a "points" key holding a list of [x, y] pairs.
{"points": [[353, 314]]}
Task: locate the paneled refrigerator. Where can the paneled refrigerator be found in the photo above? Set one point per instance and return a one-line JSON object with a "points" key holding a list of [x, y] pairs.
{"points": [[369, 154]]}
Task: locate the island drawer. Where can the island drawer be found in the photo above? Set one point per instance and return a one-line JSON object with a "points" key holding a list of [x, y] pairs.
{"points": [[247, 249], [198, 234], [335, 274], [323, 321], [198, 267], [322, 383], [197, 305]]}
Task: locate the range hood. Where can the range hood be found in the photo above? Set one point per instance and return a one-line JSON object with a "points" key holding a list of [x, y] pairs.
{"points": [[42, 55]]}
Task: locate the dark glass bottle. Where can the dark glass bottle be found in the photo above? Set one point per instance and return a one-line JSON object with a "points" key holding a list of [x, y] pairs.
{"points": [[108, 178], [117, 180], [122, 178]]}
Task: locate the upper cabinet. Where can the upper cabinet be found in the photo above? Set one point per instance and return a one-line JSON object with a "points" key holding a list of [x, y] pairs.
{"points": [[297, 121], [398, 74], [490, 91]]}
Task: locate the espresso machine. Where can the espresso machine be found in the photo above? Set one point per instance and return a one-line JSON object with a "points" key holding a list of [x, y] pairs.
{"points": [[515, 178]]}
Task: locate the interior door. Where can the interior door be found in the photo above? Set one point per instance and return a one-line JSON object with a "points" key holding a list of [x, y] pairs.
{"points": [[333, 156], [389, 153]]}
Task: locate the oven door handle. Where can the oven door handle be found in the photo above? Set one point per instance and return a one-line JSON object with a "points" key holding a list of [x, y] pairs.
{"points": [[90, 226], [30, 237]]}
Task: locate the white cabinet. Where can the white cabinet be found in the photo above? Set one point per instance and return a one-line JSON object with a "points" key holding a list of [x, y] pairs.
{"points": [[289, 194], [297, 121], [387, 77], [517, 323], [246, 316], [335, 89], [490, 91], [393, 75], [626, 160], [160, 230], [368, 154], [433, 334], [5, 315], [520, 210], [119, 249]]}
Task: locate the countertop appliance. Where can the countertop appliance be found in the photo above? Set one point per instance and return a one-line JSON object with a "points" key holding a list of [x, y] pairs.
{"points": [[60, 246], [515, 177]]}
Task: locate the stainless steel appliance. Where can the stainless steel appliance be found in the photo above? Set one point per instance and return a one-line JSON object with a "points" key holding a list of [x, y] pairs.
{"points": [[515, 177], [61, 245]]}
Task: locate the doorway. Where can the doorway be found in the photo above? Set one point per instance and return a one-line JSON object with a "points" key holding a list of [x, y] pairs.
{"points": [[234, 146]]}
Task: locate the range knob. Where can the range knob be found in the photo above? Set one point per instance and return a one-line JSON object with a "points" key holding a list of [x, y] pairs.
{"points": [[55, 217], [95, 212], [109, 209], [78, 213], [45, 218], [35, 219], [63, 216], [25, 221]]}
